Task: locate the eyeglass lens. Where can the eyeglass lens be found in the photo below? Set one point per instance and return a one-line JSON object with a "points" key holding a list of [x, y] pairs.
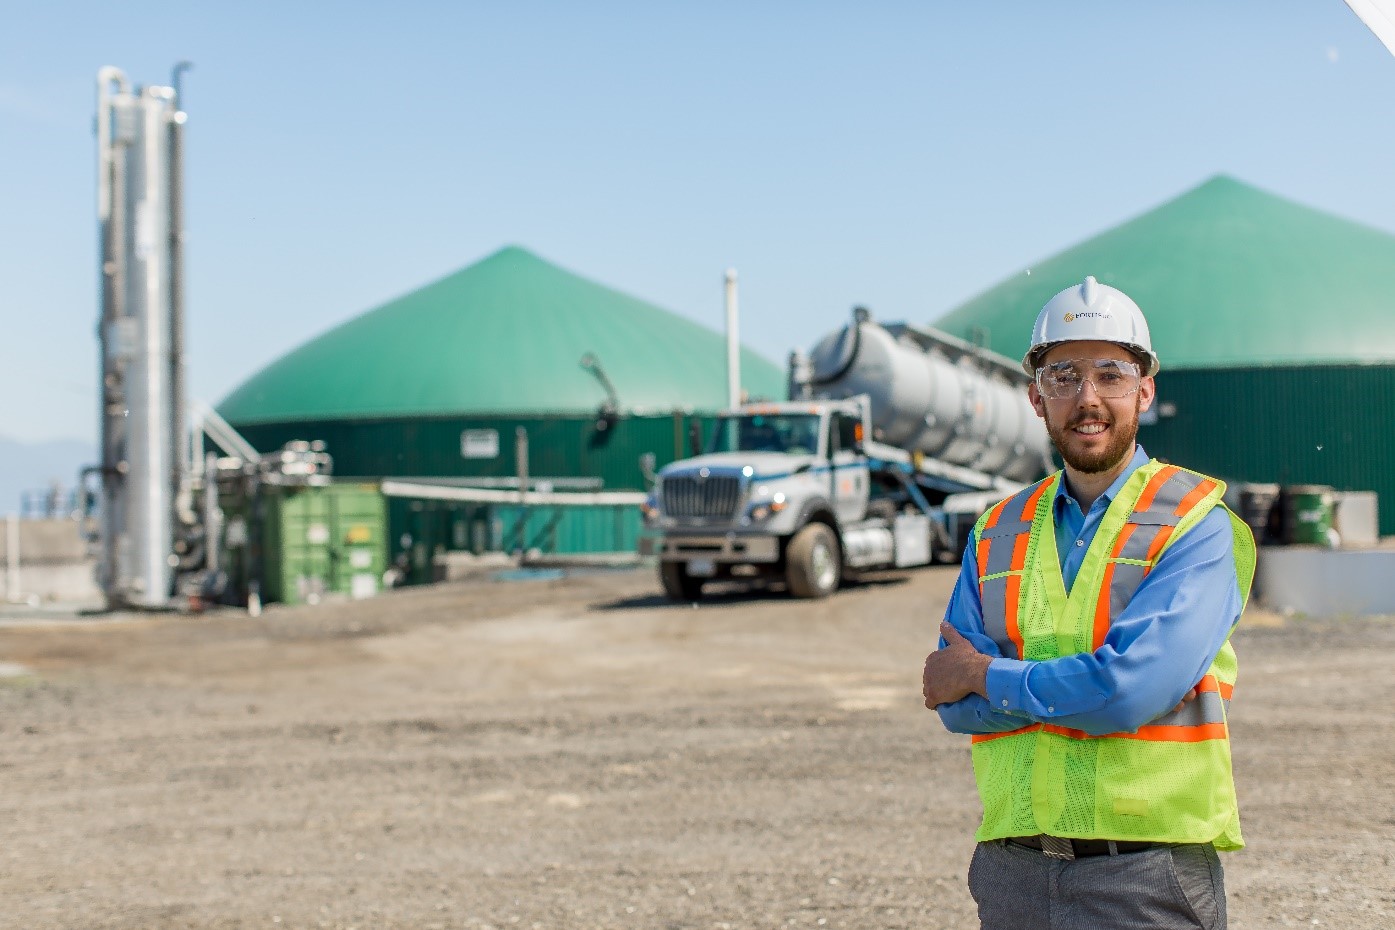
{"points": [[1110, 377]]}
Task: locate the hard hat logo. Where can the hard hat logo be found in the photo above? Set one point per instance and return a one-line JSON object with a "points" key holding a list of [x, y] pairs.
{"points": [[1092, 312]]}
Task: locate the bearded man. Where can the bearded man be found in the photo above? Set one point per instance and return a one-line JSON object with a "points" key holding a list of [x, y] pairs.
{"points": [[1086, 651]]}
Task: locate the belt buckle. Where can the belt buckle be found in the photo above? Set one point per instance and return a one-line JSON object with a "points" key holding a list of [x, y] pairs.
{"points": [[1057, 847]]}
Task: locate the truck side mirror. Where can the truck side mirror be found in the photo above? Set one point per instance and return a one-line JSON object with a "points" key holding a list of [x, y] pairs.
{"points": [[694, 438]]}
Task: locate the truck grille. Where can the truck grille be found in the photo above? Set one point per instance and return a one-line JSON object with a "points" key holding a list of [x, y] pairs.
{"points": [[692, 496]]}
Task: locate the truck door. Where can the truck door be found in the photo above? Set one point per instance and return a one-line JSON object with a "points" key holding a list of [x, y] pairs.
{"points": [[848, 475]]}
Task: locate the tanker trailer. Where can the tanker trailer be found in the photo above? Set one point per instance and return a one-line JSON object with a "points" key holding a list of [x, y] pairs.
{"points": [[932, 395], [893, 440]]}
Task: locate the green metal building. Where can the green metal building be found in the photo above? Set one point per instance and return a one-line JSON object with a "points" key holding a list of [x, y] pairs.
{"points": [[433, 384], [1275, 324]]}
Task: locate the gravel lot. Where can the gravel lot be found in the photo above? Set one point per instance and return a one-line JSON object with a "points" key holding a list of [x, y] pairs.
{"points": [[577, 753]]}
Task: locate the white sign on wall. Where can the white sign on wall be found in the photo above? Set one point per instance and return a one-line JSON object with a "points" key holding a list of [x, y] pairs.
{"points": [[479, 443]]}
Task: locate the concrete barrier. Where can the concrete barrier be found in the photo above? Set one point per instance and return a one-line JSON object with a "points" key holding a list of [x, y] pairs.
{"points": [[1326, 582]]}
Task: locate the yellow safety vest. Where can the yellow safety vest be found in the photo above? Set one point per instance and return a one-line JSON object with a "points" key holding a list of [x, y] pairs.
{"points": [[1170, 781]]}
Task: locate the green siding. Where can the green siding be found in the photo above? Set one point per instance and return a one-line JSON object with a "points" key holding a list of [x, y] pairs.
{"points": [[429, 527], [557, 447], [1331, 425]]}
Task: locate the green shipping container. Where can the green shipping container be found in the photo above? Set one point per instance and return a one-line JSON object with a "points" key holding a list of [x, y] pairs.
{"points": [[319, 541]]}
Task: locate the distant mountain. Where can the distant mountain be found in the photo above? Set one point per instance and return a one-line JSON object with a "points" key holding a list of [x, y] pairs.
{"points": [[28, 467]]}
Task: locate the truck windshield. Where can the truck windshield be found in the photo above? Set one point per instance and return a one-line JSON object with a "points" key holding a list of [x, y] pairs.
{"points": [[796, 433]]}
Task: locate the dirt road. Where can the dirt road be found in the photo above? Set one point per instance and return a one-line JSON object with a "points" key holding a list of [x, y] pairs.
{"points": [[578, 754]]}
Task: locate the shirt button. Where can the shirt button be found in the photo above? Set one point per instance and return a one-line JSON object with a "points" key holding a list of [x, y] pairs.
{"points": [[1080, 542], [1005, 702], [1051, 710]]}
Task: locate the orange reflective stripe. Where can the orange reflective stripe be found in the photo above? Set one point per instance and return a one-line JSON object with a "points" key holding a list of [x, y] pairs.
{"points": [[1226, 690], [989, 737], [1150, 491], [1187, 502], [1030, 511], [1102, 602], [1194, 495], [1155, 734], [1011, 601]]}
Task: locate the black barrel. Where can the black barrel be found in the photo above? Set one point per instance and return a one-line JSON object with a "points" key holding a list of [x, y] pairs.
{"points": [[1258, 508]]}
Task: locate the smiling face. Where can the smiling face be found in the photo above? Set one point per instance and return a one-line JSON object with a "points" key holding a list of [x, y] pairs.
{"points": [[1094, 434]]}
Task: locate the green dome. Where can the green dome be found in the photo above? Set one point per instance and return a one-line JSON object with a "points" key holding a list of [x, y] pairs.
{"points": [[503, 336], [1227, 275]]}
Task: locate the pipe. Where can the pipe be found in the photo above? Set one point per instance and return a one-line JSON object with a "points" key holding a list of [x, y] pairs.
{"points": [[212, 516], [733, 343], [180, 464], [12, 557], [111, 221]]}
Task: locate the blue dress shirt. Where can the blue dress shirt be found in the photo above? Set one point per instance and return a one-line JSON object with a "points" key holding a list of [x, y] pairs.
{"points": [[1155, 652]]}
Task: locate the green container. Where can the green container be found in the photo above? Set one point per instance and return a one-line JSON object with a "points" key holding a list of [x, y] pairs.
{"points": [[320, 541], [1308, 513]]}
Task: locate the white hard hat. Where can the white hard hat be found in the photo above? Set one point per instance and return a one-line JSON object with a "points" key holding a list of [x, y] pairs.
{"points": [[1091, 311]]}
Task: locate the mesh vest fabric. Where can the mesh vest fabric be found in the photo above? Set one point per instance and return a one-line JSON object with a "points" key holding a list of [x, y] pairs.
{"points": [[1171, 780]]}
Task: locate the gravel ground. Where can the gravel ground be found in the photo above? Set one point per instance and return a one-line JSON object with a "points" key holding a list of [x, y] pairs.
{"points": [[577, 753]]}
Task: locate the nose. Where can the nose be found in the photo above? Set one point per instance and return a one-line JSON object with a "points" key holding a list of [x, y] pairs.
{"points": [[1087, 385]]}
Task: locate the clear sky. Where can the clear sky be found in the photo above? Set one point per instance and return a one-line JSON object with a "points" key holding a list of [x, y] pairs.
{"points": [[902, 155]]}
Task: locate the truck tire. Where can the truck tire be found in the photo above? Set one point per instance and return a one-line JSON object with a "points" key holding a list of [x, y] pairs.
{"points": [[677, 583], [813, 562]]}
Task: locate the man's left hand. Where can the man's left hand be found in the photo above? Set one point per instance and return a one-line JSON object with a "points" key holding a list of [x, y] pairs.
{"points": [[954, 672]]}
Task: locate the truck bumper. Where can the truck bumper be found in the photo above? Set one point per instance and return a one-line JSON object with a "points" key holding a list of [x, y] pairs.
{"points": [[727, 548]]}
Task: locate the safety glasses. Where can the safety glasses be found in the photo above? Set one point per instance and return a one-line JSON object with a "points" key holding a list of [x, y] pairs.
{"points": [[1111, 377]]}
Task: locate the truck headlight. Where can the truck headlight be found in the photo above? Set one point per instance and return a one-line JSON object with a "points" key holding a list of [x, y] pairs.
{"points": [[764, 510]]}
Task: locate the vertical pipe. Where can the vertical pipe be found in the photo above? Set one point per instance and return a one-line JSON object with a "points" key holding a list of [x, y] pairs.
{"points": [[520, 454], [111, 217], [733, 344], [149, 450], [12, 557], [180, 465], [212, 516]]}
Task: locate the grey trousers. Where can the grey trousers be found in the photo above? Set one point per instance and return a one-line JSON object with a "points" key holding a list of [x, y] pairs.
{"points": [[1169, 887]]}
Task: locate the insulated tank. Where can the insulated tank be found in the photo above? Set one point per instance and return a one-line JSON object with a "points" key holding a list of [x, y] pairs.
{"points": [[931, 393]]}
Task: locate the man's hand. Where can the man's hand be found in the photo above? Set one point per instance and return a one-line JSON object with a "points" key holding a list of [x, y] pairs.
{"points": [[955, 671], [1187, 698]]}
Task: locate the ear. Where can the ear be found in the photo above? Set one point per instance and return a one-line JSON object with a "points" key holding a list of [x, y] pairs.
{"points": [[1039, 405], [1147, 390]]}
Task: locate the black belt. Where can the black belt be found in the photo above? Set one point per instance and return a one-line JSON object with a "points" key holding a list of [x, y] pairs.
{"points": [[1058, 847]]}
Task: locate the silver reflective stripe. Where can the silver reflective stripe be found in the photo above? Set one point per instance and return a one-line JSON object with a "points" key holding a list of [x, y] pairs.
{"points": [[1000, 554], [1122, 586], [1207, 708], [1139, 542], [1008, 529], [1002, 540], [994, 598]]}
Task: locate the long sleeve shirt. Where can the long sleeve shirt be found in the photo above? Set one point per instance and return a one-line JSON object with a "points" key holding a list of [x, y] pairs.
{"points": [[1156, 650]]}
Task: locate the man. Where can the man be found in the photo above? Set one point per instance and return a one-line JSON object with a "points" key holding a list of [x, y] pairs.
{"points": [[1086, 650]]}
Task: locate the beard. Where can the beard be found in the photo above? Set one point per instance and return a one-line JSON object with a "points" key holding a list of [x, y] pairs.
{"points": [[1094, 463]]}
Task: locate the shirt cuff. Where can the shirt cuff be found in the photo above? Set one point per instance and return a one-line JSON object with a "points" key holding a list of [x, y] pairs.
{"points": [[1006, 683]]}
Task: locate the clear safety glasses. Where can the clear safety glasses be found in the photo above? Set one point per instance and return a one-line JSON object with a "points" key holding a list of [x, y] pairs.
{"points": [[1066, 378]]}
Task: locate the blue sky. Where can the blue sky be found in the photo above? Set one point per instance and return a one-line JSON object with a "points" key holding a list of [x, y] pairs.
{"points": [[900, 155]]}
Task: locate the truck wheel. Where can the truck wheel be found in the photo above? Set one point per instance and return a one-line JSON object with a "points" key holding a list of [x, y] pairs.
{"points": [[813, 562], [678, 584]]}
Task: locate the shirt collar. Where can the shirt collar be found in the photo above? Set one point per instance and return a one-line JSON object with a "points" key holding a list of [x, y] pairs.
{"points": [[1064, 497]]}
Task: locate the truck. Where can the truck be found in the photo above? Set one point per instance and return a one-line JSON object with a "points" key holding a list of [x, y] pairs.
{"points": [[893, 440]]}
